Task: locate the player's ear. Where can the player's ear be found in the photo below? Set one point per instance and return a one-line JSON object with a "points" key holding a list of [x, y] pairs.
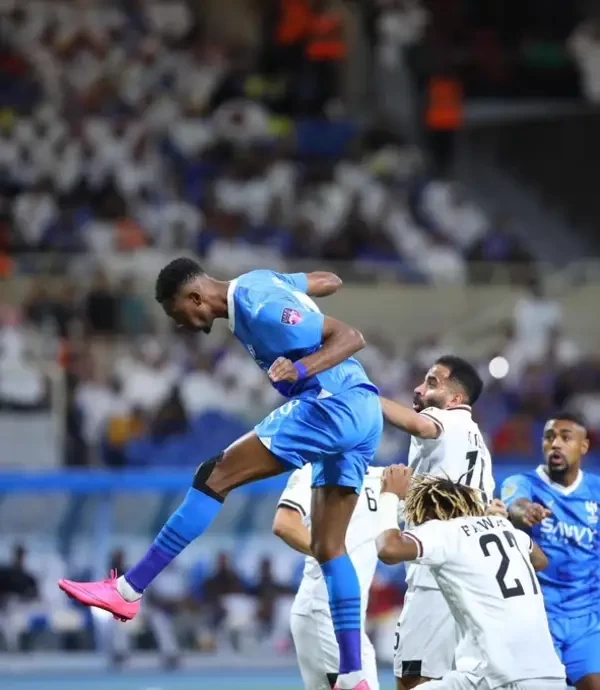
{"points": [[585, 446], [196, 297]]}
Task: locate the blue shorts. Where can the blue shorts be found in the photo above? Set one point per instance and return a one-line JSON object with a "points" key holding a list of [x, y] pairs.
{"points": [[577, 642], [338, 435]]}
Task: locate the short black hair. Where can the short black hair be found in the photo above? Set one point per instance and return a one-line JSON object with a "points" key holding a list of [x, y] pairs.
{"points": [[465, 374], [567, 416], [174, 275]]}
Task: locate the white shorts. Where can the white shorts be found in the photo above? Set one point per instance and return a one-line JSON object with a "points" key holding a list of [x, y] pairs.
{"points": [[459, 681], [426, 636], [318, 653]]}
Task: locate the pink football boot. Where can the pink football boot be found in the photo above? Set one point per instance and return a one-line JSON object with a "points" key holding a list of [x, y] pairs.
{"points": [[103, 595], [363, 685]]}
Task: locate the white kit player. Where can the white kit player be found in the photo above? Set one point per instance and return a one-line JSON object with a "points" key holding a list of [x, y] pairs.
{"points": [[484, 568], [445, 442], [311, 624]]}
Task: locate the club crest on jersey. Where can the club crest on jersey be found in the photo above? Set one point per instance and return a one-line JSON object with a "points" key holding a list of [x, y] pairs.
{"points": [[592, 511], [291, 317]]}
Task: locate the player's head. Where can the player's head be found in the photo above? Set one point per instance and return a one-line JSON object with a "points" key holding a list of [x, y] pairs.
{"points": [[181, 291], [439, 498], [565, 443], [451, 381]]}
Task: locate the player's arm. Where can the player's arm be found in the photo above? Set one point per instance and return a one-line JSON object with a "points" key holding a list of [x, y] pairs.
{"points": [[288, 525], [392, 545], [339, 342], [322, 283], [414, 423], [522, 511], [315, 284], [539, 560]]}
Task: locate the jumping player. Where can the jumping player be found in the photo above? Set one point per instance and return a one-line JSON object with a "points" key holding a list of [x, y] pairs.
{"points": [[558, 502], [311, 624], [445, 442], [333, 420], [483, 567]]}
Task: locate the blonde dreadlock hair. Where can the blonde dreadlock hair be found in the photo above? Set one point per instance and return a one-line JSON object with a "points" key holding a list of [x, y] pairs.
{"points": [[438, 498]]}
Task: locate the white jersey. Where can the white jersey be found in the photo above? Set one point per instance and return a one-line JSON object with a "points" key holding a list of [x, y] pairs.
{"points": [[362, 532], [458, 453], [483, 569]]}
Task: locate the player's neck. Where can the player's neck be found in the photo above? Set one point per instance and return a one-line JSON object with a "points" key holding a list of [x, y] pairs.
{"points": [[216, 296], [567, 479]]}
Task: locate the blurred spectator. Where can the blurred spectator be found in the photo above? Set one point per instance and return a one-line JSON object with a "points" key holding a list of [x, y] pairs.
{"points": [[536, 318], [100, 307], [270, 595], [228, 601], [133, 317], [400, 25], [18, 592], [22, 385], [585, 46]]}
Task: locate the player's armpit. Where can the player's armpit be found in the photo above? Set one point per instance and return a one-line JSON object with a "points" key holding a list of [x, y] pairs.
{"points": [[415, 424], [539, 560], [323, 283], [393, 547], [289, 527], [340, 342]]}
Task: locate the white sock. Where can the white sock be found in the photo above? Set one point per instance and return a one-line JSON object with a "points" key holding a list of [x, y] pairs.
{"points": [[348, 681], [126, 590]]}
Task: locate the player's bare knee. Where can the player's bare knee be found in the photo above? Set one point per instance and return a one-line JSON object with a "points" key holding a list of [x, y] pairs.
{"points": [[206, 478], [326, 549]]}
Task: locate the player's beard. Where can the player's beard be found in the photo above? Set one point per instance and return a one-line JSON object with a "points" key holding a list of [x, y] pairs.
{"points": [[420, 403], [557, 471]]}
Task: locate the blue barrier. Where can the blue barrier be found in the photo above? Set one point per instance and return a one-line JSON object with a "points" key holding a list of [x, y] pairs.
{"points": [[166, 480]]}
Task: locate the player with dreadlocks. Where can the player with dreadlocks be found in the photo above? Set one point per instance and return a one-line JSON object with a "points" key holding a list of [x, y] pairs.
{"points": [[483, 567]]}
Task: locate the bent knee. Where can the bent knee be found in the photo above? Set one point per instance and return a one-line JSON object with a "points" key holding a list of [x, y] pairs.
{"points": [[326, 549]]}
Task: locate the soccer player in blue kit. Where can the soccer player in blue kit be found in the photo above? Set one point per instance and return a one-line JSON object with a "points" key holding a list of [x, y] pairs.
{"points": [[558, 502], [333, 420]]}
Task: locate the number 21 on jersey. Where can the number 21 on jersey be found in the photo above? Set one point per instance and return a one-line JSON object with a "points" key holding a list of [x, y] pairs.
{"points": [[491, 543]]}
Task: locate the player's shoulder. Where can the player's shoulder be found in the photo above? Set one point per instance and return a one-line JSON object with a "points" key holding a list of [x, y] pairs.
{"points": [[452, 416], [591, 481]]}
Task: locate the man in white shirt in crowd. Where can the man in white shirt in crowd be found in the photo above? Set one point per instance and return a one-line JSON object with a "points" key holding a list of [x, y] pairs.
{"points": [[311, 624]]}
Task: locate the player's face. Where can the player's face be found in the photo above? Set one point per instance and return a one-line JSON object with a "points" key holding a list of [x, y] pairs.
{"points": [[564, 444], [189, 311], [435, 391]]}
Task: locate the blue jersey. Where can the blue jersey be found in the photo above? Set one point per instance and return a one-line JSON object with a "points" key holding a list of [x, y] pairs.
{"points": [[272, 316], [569, 537]]}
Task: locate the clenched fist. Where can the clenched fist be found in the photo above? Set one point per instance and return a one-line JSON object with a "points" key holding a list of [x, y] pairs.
{"points": [[396, 480], [283, 369]]}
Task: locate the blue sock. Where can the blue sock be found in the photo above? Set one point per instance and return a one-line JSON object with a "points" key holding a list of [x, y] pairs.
{"points": [[189, 521], [344, 603]]}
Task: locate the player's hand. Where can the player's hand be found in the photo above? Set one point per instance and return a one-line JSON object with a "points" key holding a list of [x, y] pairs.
{"points": [[534, 513], [283, 369], [396, 480], [498, 508]]}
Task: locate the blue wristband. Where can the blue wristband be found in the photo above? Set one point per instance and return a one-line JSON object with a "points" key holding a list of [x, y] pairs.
{"points": [[302, 370]]}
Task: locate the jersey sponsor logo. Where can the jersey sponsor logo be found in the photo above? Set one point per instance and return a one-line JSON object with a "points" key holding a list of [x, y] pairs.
{"points": [[592, 512], [557, 530], [291, 317]]}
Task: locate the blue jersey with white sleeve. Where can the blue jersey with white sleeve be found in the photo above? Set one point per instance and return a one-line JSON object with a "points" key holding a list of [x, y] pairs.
{"points": [[272, 316], [569, 537]]}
